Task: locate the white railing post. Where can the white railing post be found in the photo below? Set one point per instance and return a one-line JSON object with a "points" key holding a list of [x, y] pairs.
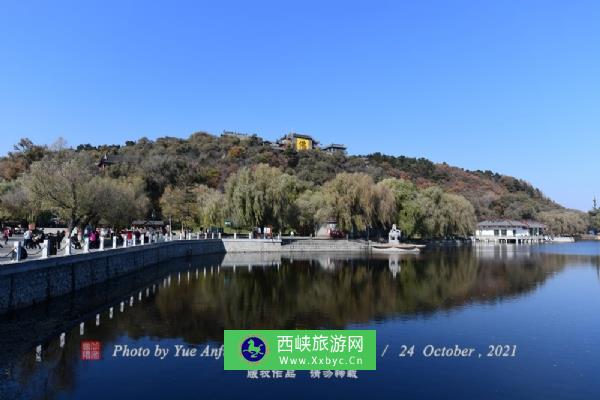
{"points": [[212, 235], [86, 245], [114, 241], [142, 239], [219, 235], [249, 235], [45, 249], [101, 243], [133, 240], [125, 241], [68, 247], [235, 235], [205, 235], [17, 250]]}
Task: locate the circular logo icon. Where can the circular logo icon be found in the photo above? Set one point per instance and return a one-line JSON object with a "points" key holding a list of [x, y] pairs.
{"points": [[253, 349]]}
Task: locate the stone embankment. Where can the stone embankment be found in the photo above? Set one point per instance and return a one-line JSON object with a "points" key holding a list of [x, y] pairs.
{"points": [[33, 281]]}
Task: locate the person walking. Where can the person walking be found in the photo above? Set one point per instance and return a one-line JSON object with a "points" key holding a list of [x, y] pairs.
{"points": [[60, 235], [27, 238], [5, 234]]}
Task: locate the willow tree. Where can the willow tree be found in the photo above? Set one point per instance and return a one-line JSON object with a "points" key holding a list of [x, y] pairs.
{"points": [[460, 214], [407, 209], [211, 207], [445, 214], [564, 222], [261, 196], [355, 202], [311, 211]]}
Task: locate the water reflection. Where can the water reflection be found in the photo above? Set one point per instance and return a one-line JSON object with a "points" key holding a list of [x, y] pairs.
{"points": [[195, 300]]}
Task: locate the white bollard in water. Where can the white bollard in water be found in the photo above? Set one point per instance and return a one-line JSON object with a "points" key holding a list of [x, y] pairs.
{"points": [[212, 235], [97, 319], [38, 353], [110, 313], [82, 328], [219, 235], [86, 245], [114, 242], [62, 340], [45, 249], [101, 243]]}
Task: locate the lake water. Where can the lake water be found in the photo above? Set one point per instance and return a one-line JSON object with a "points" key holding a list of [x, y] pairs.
{"points": [[545, 300]]}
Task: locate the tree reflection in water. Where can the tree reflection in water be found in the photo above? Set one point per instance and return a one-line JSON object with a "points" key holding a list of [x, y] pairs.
{"points": [[303, 292]]}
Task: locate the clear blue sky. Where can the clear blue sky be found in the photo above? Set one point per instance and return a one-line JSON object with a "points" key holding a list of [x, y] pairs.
{"points": [[511, 86]]}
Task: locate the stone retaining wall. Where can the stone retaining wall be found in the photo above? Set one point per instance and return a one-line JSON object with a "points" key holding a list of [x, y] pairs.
{"points": [[29, 282], [326, 245]]}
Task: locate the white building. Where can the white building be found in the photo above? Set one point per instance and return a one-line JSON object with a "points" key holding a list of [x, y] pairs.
{"points": [[510, 231]]}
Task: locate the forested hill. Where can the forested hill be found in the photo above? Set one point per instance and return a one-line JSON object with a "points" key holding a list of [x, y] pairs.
{"points": [[208, 159]]}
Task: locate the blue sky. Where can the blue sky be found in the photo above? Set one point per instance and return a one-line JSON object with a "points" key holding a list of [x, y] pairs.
{"points": [[511, 86]]}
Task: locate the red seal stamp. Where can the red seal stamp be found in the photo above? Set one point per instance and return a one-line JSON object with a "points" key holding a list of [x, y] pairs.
{"points": [[90, 350]]}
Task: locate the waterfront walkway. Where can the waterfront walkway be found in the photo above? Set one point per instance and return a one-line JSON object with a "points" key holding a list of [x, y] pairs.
{"points": [[288, 244], [8, 251]]}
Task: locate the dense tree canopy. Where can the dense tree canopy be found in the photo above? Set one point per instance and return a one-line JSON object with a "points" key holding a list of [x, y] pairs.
{"points": [[205, 179], [262, 195]]}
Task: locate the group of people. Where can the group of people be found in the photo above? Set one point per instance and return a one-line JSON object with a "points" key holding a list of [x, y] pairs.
{"points": [[91, 234], [34, 238], [94, 235]]}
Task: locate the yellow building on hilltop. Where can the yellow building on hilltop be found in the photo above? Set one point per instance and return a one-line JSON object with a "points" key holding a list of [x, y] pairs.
{"points": [[298, 142]]}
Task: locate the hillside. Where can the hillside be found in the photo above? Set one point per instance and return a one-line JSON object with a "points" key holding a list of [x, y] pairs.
{"points": [[210, 160]]}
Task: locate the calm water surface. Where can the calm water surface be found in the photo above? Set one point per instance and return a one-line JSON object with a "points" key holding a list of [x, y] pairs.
{"points": [[543, 299]]}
